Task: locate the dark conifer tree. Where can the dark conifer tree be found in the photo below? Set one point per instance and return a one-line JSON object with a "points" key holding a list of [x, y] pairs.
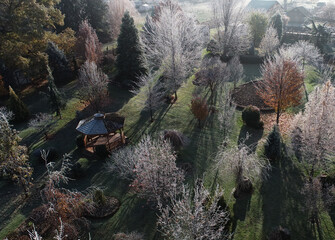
{"points": [[96, 13], [59, 64], [15, 104], [129, 60], [73, 11], [55, 96], [277, 22], [272, 146]]}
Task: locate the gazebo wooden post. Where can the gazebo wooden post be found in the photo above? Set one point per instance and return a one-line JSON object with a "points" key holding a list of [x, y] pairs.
{"points": [[108, 144], [85, 140], [122, 136]]}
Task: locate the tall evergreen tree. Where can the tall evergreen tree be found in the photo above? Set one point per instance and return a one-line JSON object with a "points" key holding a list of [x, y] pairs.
{"points": [[96, 12], [272, 146], [277, 23], [55, 97], [58, 63], [74, 13], [129, 55], [19, 109]]}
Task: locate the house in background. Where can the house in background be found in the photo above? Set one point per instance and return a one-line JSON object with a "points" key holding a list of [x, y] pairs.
{"points": [[269, 6], [298, 16]]}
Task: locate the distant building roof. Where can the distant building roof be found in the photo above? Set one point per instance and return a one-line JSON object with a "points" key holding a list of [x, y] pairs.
{"points": [[262, 4], [302, 10]]}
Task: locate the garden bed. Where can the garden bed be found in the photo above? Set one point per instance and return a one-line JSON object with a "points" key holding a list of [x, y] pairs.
{"points": [[245, 95]]}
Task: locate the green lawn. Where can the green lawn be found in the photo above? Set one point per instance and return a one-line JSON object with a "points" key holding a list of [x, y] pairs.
{"points": [[276, 201]]}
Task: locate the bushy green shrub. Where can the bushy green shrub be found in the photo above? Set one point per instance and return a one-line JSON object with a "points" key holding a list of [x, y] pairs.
{"points": [[15, 104], [80, 141], [272, 146], [79, 169], [101, 151], [99, 197], [251, 116]]}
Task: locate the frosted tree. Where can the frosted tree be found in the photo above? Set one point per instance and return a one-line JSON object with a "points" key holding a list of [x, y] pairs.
{"points": [[88, 46], [151, 164], [327, 13], [42, 122], [14, 160], [116, 10], [326, 73], [305, 53], [234, 71], [318, 199], [246, 166], [281, 86], [270, 41], [313, 131], [152, 92], [211, 75], [195, 215], [59, 202], [93, 85], [232, 35], [173, 42], [9, 115], [226, 114], [33, 235]]}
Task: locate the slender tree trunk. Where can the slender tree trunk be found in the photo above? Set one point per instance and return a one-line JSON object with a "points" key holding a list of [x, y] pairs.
{"points": [[278, 115], [175, 96], [151, 115]]}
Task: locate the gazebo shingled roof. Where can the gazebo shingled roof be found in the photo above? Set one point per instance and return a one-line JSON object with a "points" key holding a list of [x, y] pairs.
{"points": [[101, 124]]}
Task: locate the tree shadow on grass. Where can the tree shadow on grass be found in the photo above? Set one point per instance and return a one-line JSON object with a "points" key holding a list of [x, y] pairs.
{"points": [[203, 145], [144, 124], [240, 209], [250, 137], [283, 201], [133, 215]]}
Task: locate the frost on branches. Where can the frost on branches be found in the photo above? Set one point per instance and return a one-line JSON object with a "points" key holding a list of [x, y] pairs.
{"points": [[229, 15], [70, 206], [313, 132], [194, 215], [270, 41], [151, 91], [93, 86], [226, 114], [13, 157], [151, 165], [246, 166], [173, 42], [281, 86]]}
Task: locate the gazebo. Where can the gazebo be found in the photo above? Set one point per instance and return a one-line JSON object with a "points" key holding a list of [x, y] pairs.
{"points": [[102, 129]]}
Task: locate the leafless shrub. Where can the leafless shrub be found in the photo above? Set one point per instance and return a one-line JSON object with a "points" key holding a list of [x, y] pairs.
{"points": [[194, 215], [151, 164], [243, 164]]}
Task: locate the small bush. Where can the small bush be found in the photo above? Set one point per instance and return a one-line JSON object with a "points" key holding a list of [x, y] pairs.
{"points": [[251, 116], [99, 197], [177, 139], [80, 141], [101, 151], [272, 146], [79, 169], [199, 108]]}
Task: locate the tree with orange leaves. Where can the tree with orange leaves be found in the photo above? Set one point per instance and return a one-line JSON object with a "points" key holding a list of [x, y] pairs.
{"points": [[281, 84]]}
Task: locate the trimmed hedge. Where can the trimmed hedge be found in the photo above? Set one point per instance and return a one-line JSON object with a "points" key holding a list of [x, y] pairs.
{"points": [[251, 116]]}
